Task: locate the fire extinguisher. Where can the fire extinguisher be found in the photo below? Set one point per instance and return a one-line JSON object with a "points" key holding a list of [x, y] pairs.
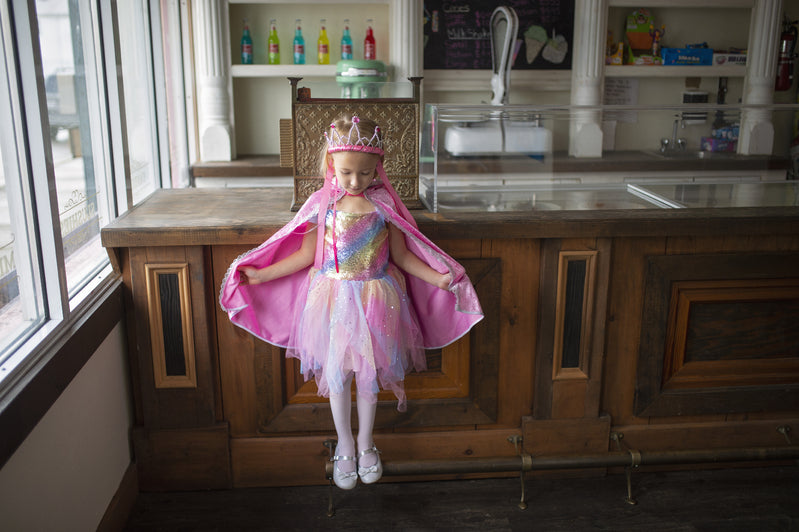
{"points": [[786, 56]]}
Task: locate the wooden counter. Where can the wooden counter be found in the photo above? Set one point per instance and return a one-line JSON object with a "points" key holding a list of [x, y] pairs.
{"points": [[673, 327], [212, 216]]}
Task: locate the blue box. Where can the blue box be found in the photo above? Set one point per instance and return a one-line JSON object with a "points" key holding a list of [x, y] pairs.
{"points": [[687, 56]]}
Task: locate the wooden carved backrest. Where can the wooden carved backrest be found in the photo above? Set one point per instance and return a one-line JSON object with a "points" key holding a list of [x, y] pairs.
{"points": [[399, 122]]}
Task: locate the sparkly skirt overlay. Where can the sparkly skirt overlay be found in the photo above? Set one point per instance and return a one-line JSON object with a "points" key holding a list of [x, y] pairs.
{"points": [[357, 319]]}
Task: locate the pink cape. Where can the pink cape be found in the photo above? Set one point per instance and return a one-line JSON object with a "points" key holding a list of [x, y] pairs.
{"points": [[267, 310]]}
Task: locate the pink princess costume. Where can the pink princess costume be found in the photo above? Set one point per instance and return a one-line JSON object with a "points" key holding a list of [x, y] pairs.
{"points": [[353, 310]]}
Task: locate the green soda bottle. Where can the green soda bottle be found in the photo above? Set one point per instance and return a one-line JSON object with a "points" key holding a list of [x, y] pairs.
{"points": [[274, 43]]}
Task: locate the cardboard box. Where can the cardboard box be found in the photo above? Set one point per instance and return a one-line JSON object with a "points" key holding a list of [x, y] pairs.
{"points": [[687, 56], [634, 58], [724, 58], [637, 29]]}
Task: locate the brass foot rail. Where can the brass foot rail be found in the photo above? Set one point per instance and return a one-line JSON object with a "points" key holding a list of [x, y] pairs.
{"points": [[524, 462]]}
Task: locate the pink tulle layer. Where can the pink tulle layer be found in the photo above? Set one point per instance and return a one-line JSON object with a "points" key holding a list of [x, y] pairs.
{"points": [[364, 327]]}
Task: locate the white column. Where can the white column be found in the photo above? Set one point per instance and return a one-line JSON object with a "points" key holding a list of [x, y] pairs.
{"points": [[588, 68], [405, 39], [212, 69], [757, 129]]}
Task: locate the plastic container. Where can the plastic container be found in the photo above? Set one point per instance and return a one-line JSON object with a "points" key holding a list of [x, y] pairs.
{"points": [[299, 44], [360, 78]]}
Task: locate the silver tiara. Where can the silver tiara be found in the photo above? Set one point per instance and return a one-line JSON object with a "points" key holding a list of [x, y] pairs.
{"points": [[353, 140]]}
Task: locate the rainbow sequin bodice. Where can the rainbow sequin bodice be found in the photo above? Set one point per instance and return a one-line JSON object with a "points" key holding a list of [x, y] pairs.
{"points": [[361, 245]]}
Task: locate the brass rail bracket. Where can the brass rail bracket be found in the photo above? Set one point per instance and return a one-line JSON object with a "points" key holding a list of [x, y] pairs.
{"points": [[785, 430], [517, 440], [635, 461], [331, 449]]}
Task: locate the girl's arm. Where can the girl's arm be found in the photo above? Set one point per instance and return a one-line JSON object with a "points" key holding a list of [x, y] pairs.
{"points": [[412, 264], [300, 259]]}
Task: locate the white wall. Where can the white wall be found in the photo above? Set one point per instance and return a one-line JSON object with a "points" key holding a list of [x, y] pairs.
{"points": [[65, 473]]}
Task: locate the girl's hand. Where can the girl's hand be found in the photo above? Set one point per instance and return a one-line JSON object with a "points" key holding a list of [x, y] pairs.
{"points": [[249, 275], [444, 280]]}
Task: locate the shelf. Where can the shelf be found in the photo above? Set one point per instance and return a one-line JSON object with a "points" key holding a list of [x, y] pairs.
{"points": [[676, 71], [315, 2], [282, 71], [682, 3]]}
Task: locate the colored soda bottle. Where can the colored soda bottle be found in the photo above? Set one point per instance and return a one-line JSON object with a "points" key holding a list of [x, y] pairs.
{"points": [[323, 45], [274, 43], [346, 41], [369, 42], [299, 45], [246, 45]]}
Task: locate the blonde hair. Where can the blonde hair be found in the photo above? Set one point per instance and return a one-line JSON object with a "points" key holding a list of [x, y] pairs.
{"points": [[343, 126]]}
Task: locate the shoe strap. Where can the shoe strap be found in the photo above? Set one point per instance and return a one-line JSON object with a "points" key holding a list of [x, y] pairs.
{"points": [[341, 458], [373, 449]]}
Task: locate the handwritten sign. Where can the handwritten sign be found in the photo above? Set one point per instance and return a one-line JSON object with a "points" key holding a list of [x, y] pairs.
{"points": [[457, 34]]}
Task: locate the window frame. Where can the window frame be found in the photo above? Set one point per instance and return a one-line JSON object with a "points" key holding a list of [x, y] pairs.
{"points": [[41, 364]]}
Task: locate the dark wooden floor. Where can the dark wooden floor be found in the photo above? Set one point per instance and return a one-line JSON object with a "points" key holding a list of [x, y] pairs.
{"points": [[761, 499]]}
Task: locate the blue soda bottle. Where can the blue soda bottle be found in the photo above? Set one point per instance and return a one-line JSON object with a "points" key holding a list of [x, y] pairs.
{"points": [[246, 45], [346, 41], [299, 45]]}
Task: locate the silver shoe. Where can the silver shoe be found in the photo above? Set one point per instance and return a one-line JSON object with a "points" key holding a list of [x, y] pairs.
{"points": [[371, 474], [345, 481]]}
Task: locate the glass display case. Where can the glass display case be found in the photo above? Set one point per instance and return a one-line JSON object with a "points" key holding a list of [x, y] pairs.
{"points": [[720, 195], [516, 158]]}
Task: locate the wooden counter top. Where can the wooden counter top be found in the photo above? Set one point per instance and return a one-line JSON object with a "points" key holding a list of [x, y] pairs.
{"points": [[211, 216]]}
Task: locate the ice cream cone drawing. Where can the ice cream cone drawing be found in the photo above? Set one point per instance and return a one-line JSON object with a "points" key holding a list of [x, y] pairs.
{"points": [[534, 40], [556, 48]]}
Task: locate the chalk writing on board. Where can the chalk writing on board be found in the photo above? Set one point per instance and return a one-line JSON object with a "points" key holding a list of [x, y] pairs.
{"points": [[457, 33]]}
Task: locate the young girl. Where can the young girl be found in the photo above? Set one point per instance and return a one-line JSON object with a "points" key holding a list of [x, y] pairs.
{"points": [[361, 297]]}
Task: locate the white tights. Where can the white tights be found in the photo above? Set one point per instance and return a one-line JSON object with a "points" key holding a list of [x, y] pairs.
{"points": [[341, 407]]}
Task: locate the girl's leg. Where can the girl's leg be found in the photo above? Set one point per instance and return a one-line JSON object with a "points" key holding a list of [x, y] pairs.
{"points": [[367, 407], [341, 407], [370, 469]]}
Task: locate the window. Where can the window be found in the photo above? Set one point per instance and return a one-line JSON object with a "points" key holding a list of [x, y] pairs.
{"points": [[69, 161]]}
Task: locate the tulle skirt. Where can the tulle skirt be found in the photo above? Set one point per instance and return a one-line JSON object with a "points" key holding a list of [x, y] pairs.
{"points": [[366, 328]]}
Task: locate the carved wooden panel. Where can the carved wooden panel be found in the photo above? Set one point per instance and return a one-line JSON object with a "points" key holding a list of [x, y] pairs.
{"points": [[719, 334], [165, 396], [570, 349], [399, 121], [169, 309], [574, 314]]}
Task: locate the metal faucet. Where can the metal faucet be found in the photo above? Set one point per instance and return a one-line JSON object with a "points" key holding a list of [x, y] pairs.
{"points": [[674, 144]]}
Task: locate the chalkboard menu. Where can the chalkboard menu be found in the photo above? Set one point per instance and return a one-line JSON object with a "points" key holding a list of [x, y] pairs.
{"points": [[457, 33]]}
